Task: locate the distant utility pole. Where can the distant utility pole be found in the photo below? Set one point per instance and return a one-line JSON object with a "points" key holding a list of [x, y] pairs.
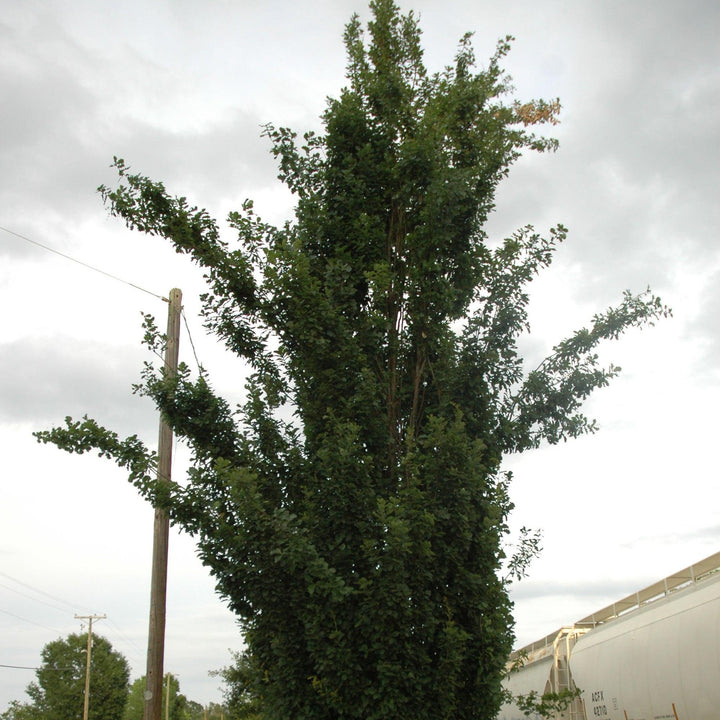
{"points": [[167, 695], [90, 619], [152, 709], [168, 676]]}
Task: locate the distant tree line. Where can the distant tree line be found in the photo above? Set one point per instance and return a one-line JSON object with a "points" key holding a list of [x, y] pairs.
{"points": [[58, 691]]}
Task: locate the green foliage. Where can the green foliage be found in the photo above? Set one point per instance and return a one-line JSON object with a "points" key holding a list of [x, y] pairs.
{"points": [[59, 689], [136, 701], [195, 711], [547, 705], [353, 511], [215, 711], [240, 701], [21, 711], [526, 549]]}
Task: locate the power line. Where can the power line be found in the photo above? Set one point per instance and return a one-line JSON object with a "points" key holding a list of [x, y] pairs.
{"points": [[201, 370], [115, 628], [80, 262], [126, 639], [40, 592], [31, 622], [30, 597], [27, 667]]}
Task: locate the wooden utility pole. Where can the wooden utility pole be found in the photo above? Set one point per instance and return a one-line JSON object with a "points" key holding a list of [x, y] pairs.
{"points": [[158, 588], [89, 618], [167, 696]]}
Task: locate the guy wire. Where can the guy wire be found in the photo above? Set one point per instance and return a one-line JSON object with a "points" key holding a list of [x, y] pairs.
{"points": [[80, 262]]}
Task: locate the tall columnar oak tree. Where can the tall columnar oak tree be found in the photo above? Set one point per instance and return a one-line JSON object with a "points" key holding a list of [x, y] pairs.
{"points": [[360, 541]]}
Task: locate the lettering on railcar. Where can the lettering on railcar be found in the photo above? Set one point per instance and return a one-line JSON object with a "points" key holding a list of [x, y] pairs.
{"points": [[599, 708]]}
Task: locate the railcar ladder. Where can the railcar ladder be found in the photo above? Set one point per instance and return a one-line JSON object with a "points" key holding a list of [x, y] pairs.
{"points": [[563, 680]]}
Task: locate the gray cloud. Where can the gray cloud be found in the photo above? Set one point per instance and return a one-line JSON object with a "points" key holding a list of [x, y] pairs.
{"points": [[71, 115], [44, 379], [705, 326], [637, 173], [707, 534], [601, 590]]}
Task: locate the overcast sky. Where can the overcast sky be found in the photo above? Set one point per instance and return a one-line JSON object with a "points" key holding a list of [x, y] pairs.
{"points": [[180, 89]]}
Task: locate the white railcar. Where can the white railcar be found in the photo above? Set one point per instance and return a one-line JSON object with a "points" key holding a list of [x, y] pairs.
{"points": [[654, 655]]}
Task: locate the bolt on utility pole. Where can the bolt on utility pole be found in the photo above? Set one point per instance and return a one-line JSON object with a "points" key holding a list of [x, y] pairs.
{"points": [[152, 709], [89, 618]]}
